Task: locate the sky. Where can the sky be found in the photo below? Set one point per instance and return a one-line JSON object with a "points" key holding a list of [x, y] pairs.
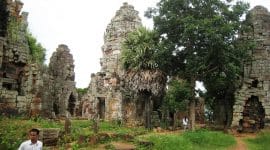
{"points": [[81, 24]]}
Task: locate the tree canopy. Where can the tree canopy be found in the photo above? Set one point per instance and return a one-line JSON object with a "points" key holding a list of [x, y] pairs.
{"points": [[201, 37], [177, 95]]}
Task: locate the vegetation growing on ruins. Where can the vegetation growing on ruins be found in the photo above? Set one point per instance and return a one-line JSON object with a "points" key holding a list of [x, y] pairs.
{"points": [[139, 57], [37, 52]]}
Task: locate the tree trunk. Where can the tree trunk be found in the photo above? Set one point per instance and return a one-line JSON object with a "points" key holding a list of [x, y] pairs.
{"points": [[229, 102], [192, 106], [219, 114], [175, 121], [223, 109], [192, 114], [147, 108], [147, 113]]}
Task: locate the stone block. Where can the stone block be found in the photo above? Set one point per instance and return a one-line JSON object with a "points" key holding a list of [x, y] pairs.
{"points": [[49, 136], [21, 105], [21, 99]]}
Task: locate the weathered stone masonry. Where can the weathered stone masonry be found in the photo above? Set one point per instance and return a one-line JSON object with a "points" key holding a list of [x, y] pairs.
{"points": [[104, 96], [15, 87], [252, 105], [62, 91], [25, 86]]}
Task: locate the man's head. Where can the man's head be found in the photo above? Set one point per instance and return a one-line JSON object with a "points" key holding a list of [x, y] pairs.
{"points": [[33, 134]]}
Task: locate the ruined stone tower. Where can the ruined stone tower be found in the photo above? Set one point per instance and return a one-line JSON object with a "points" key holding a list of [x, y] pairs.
{"points": [[104, 97], [26, 87], [16, 72], [61, 93], [252, 105]]}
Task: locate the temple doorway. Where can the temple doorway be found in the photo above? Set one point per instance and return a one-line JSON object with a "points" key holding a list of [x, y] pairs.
{"points": [[253, 115], [101, 107], [71, 104]]}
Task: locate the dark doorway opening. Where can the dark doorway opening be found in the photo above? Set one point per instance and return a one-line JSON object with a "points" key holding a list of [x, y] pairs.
{"points": [[55, 108], [71, 104], [101, 107], [253, 115]]}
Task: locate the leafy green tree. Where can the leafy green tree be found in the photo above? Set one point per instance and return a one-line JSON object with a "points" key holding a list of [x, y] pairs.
{"points": [[139, 59], [139, 49], [177, 95], [37, 52], [176, 98], [202, 36], [81, 92]]}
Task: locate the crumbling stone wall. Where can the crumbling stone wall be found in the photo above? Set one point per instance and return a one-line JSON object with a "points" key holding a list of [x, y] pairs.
{"points": [[105, 97], [252, 105], [26, 87], [61, 96], [14, 59]]}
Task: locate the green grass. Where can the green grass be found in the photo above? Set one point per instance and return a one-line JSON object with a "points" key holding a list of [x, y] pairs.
{"points": [[120, 129], [197, 140], [13, 131], [204, 139], [167, 142], [261, 142]]}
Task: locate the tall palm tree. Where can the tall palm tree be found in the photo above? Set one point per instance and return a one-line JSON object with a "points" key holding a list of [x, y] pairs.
{"points": [[142, 74]]}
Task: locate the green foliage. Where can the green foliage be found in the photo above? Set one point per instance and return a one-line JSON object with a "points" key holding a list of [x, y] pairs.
{"points": [[139, 49], [199, 139], [168, 142], [37, 52], [114, 127], [261, 142], [13, 131], [13, 28], [81, 91], [201, 37], [177, 95], [202, 33], [209, 139]]}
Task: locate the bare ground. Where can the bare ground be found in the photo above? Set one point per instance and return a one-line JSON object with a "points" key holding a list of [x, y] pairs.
{"points": [[240, 143]]}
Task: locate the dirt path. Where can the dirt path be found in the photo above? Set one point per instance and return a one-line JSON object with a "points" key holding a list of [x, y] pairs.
{"points": [[118, 146], [240, 143]]}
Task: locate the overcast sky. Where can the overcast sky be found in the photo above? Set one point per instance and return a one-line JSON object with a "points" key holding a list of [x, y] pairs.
{"points": [[80, 24]]}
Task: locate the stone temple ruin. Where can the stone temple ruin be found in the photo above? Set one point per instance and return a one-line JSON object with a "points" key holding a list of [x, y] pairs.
{"points": [[111, 95], [25, 86], [104, 96], [32, 89], [62, 89], [252, 105]]}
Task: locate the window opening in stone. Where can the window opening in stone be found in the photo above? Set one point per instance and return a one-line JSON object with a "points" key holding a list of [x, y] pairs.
{"points": [[55, 108], [4, 75], [255, 83], [8, 86], [101, 107], [20, 79]]}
